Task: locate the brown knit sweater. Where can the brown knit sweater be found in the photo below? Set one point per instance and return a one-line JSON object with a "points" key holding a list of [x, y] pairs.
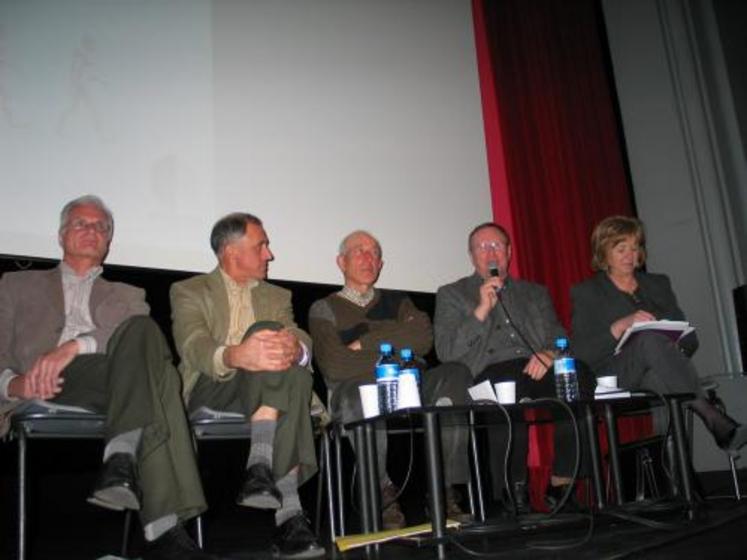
{"points": [[335, 322]]}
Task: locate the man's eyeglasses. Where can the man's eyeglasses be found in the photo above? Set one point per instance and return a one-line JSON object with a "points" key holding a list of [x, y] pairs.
{"points": [[361, 251], [487, 246], [98, 227]]}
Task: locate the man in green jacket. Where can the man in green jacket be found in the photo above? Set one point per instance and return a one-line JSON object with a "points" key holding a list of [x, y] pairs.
{"points": [[241, 351]]}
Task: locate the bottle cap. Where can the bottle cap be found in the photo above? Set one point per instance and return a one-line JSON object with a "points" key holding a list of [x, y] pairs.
{"points": [[561, 343], [405, 353], [385, 348]]}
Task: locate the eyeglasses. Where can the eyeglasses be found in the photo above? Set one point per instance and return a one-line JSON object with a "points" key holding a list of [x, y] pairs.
{"points": [[361, 251], [487, 246], [81, 225]]}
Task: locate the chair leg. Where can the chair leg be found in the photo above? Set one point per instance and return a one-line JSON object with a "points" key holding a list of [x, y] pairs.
{"points": [[330, 489], [338, 482], [319, 486], [126, 531], [21, 494], [479, 515], [735, 478], [198, 530], [198, 519]]}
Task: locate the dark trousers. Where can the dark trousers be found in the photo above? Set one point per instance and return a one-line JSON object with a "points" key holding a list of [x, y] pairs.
{"points": [[288, 392], [136, 385], [526, 387], [444, 384], [652, 361]]}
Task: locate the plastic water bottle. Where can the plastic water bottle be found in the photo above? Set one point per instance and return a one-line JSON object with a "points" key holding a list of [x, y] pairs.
{"points": [[566, 380], [408, 364], [387, 374]]}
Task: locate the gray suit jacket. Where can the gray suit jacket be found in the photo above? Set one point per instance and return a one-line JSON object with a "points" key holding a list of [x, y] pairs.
{"points": [[32, 314], [597, 303], [460, 337], [199, 308]]}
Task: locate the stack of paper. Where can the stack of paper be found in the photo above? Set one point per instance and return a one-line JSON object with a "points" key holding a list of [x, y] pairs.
{"points": [[673, 329]]}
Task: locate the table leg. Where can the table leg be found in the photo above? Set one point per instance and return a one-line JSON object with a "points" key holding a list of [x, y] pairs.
{"points": [[435, 479], [364, 501], [373, 476], [614, 452], [678, 426], [590, 421]]}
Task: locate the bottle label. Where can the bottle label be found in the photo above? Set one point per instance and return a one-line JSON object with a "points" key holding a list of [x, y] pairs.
{"points": [[565, 365], [387, 372]]}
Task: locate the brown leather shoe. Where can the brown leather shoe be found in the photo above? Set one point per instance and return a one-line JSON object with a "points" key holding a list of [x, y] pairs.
{"points": [[453, 509], [391, 514]]}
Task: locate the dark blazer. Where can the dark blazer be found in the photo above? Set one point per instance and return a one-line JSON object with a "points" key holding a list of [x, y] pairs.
{"points": [[460, 337], [597, 303], [32, 314]]}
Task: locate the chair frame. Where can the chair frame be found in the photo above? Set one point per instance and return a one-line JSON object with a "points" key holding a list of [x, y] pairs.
{"points": [[53, 424], [237, 428]]}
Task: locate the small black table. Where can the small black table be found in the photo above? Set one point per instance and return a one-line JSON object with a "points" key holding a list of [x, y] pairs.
{"points": [[586, 412]]}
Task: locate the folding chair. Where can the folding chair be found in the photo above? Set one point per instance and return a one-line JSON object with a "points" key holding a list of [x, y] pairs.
{"points": [[212, 425], [43, 420]]}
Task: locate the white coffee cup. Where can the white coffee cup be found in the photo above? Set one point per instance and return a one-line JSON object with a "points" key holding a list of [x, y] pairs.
{"points": [[506, 392], [369, 400], [607, 381], [408, 395]]}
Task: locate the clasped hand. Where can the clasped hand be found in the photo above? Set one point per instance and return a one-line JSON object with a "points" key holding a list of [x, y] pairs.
{"points": [[266, 350], [43, 380]]}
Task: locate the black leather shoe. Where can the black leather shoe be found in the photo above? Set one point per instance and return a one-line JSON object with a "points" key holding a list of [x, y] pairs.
{"points": [[521, 498], [518, 502], [175, 544], [259, 489], [116, 487], [295, 539], [554, 494]]}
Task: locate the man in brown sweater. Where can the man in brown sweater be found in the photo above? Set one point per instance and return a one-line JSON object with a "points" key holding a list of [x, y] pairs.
{"points": [[347, 328]]}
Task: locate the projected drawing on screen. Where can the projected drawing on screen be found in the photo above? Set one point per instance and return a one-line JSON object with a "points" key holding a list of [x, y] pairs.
{"points": [[7, 113], [82, 106]]}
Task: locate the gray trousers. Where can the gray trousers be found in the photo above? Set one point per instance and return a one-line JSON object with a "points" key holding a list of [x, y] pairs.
{"points": [[652, 361], [446, 381], [136, 385]]}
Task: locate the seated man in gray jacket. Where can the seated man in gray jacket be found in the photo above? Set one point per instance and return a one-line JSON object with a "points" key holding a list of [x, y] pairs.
{"points": [[504, 328]]}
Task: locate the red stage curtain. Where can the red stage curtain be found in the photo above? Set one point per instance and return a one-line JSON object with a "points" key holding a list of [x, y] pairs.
{"points": [[555, 156]]}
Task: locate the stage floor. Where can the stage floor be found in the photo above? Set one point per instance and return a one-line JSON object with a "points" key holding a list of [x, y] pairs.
{"points": [[62, 526]]}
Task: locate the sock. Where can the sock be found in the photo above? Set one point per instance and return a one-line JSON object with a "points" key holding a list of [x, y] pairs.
{"points": [[263, 439], [288, 486], [123, 443], [156, 528]]}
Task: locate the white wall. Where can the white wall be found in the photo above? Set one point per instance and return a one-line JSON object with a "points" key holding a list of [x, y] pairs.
{"points": [[320, 116], [674, 117]]}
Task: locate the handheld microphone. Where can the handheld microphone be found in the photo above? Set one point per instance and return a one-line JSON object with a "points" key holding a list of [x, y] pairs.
{"points": [[494, 272]]}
